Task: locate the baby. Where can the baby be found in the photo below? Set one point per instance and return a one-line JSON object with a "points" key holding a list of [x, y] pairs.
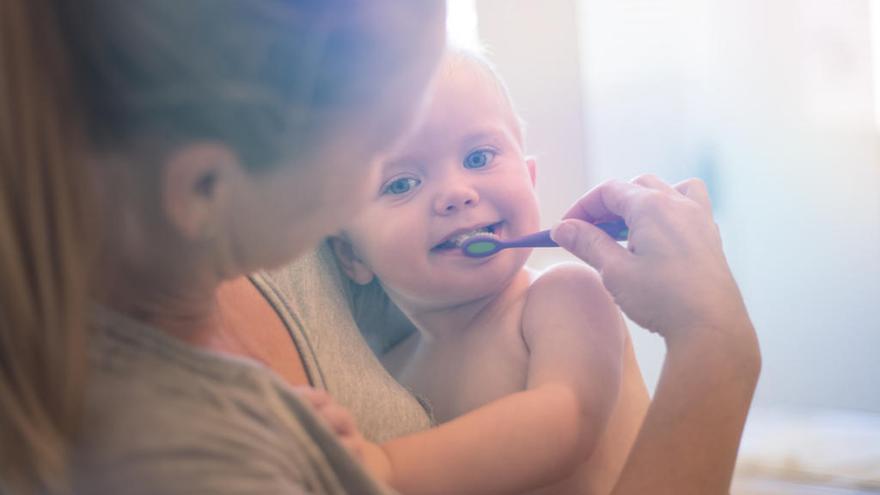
{"points": [[530, 376]]}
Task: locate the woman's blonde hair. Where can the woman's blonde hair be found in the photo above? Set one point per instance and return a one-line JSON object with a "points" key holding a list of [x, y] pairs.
{"points": [[80, 79], [43, 253]]}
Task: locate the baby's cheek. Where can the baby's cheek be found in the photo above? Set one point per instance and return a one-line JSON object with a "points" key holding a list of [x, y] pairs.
{"points": [[393, 259], [528, 221], [534, 214]]}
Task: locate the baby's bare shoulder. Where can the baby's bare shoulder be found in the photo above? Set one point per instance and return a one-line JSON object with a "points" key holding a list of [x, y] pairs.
{"points": [[566, 281], [568, 295]]}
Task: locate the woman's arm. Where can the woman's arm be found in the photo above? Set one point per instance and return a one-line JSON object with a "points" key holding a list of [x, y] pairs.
{"points": [[673, 279], [689, 440]]}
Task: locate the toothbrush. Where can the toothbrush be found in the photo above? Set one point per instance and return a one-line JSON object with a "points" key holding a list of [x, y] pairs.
{"points": [[480, 246]]}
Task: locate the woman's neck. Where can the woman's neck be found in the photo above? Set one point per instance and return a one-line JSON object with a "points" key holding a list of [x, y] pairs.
{"points": [[170, 295], [148, 272], [452, 321]]}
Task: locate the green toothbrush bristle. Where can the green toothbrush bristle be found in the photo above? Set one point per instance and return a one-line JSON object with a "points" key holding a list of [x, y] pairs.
{"points": [[480, 247]]}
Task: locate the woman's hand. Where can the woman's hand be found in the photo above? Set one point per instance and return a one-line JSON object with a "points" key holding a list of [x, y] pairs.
{"points": [[342, 423], [673, 279]]}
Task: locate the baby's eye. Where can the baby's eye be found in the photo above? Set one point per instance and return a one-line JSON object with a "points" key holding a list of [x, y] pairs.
{"points": [[402, 185], [478, 158]]}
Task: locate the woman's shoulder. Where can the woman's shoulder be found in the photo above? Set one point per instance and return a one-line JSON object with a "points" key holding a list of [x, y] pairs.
{"points": [[162, 417]]}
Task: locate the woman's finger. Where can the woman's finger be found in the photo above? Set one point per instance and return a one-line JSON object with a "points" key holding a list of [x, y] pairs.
{"points": [[651, 181], [696, 190], [608, 201], [589, 243]]}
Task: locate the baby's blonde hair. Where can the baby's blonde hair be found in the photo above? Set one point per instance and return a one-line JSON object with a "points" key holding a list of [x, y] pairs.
{"points": [[477, 58]]}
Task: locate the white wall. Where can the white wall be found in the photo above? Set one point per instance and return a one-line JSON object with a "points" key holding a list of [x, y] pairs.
{"points": [[535, 47], [801, 170], [771, 102]]}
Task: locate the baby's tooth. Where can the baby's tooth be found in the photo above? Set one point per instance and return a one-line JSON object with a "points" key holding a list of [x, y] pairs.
{"points": [[460, 238]]}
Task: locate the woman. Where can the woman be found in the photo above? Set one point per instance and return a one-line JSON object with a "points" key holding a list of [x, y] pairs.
{"points": [[217, 137], [154, 152]]}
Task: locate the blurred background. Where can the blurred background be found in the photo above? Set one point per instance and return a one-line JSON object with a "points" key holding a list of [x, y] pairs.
{"points": [[776, 105]]}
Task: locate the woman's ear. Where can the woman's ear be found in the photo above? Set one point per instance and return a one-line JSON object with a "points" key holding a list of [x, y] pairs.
{"points": [[197, 180], [349, 261], [531, 165]]}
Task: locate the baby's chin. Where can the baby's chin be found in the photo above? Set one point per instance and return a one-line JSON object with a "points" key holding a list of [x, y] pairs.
{"points": [[468, 284]]}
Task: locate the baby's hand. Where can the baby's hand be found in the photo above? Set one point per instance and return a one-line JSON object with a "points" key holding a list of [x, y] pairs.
{"points": [[342, 423], [337, 418]]}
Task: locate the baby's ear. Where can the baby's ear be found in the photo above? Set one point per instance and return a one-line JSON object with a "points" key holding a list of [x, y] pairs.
{"points": [[349, 261], [531, 165]]}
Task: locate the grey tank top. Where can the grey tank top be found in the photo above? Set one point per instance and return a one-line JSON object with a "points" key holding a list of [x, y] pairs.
{"points": [[165, 417], [310, 297]]}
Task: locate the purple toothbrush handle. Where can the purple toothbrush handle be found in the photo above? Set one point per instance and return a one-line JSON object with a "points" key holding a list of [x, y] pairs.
{"points": [[617, 230], [538, 239]]}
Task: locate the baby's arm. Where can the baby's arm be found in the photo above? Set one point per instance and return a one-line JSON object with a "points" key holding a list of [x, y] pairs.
{"points": [[576, 339], [533, 438]]}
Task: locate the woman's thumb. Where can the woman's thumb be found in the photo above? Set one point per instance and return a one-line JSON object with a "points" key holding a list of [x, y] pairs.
{"points": [[587, 242]]}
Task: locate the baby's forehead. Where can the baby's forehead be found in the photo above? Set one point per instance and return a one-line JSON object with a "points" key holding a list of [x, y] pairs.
{"points": [[469, 84], [472, 73]]}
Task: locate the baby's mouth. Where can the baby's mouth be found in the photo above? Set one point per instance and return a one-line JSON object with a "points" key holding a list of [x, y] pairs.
{"points": [[456, 241]]}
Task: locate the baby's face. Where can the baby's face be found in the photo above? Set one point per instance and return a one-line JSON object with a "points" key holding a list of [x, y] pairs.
{"points": [[462, 170]]}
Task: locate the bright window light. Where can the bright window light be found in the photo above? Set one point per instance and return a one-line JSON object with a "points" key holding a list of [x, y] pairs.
{"points": [[875, 54], [461, 23]]}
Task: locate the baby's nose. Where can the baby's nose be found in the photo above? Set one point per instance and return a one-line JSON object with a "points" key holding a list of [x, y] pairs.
{"points": [[456, 199]]}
